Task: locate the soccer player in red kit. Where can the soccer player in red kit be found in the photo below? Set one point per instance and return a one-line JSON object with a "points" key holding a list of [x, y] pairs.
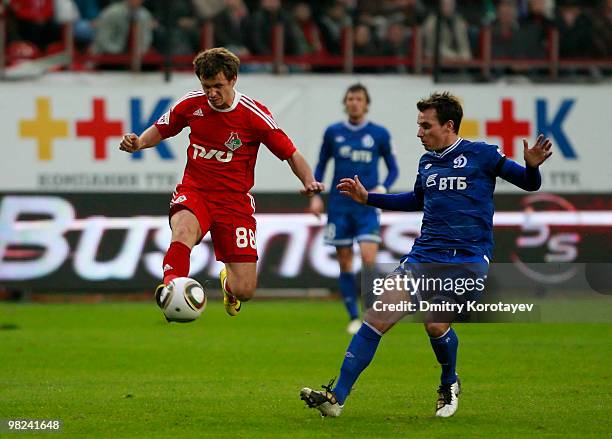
{"points": [[227, 128]]}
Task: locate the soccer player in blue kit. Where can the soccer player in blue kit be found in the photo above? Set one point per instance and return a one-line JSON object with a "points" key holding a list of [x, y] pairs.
{"points": [[356, 146], [454, 189]]}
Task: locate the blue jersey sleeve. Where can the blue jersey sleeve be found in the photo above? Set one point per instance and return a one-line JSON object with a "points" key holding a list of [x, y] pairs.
{"points": [[324, 155], [491, 158], [405, 201], [418, 190], [386, 151], [526, 178]]}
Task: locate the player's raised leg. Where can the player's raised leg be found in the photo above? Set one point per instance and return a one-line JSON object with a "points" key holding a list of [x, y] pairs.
{"points": [[233, 235], [361, 350], [186, 233], [238, 281], [348, 286]]}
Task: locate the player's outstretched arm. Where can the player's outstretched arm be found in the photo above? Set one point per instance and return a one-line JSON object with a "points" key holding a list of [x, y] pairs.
{"points": [[352, 187], [149, 138], [537, 154], [302, 170], [528, 177], [405, 202]]}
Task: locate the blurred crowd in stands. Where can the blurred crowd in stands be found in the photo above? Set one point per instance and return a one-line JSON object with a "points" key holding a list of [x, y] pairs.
{"points": [[519, 28]]}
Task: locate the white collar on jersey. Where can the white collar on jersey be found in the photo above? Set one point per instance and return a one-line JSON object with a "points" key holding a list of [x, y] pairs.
{"points": [[237, 96], [447, 150], [352, 127]]}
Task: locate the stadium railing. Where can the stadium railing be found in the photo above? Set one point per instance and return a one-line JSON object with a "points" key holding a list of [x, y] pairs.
{"points": [[413, 62]]}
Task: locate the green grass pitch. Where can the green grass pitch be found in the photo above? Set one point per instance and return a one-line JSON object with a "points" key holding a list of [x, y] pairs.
{"points": [[118, 370]]}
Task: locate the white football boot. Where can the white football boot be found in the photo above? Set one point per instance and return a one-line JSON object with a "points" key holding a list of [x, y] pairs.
{"points": [[324, 401], [448, 399]]}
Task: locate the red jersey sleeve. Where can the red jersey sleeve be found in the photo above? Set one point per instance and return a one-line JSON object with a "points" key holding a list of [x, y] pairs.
{"points": [[173, 121], [279, 143], [271, 135]]}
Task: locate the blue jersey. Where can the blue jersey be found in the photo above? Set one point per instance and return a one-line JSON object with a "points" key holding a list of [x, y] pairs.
{"points": [[456, 187], [356, 150]]}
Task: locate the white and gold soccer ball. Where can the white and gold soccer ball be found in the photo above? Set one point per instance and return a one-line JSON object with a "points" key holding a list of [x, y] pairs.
{"points": [[182, 300]]}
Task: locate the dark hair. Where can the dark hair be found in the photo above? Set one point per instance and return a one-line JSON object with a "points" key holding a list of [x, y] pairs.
{"points": [[355, 88], [208, 63], [447, 108]]}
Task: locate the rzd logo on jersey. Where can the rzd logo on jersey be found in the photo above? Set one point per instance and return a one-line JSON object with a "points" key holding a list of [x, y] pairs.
{"points": [[221, 156]]}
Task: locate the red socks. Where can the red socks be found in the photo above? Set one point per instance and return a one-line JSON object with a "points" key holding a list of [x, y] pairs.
{"points": [[176, 261]]}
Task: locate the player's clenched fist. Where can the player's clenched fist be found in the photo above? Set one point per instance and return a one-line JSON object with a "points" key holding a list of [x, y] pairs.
{"points": [[354, 189], [130, 143], [312, 188]]}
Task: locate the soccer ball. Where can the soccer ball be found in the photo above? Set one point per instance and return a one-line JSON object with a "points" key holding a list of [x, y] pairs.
{"points": [[182, 300]]}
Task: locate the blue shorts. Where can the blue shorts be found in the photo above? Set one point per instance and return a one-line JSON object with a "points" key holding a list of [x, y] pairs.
{"points": [[343, 228], [453, 275]]}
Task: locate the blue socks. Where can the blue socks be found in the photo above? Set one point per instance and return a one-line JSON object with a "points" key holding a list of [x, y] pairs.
{"points": [[363, 346], [445, 348], [349, 293], [360, 352]]}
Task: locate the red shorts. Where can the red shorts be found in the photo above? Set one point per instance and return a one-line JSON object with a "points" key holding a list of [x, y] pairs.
{"points": [[228, 216]]}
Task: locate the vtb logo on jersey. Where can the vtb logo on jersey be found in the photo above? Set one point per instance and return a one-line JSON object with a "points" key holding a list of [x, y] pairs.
{"points": [[233, 142], [356, 155], [444, 183], [460, 162], [221, 156]]}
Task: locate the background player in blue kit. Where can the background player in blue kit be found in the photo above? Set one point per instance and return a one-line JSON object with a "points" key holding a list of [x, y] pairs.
{"points": [[454, 188], [355, 145]]}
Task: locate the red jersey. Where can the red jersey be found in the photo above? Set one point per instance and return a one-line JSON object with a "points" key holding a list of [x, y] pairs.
{"points": [[223, 144]]}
